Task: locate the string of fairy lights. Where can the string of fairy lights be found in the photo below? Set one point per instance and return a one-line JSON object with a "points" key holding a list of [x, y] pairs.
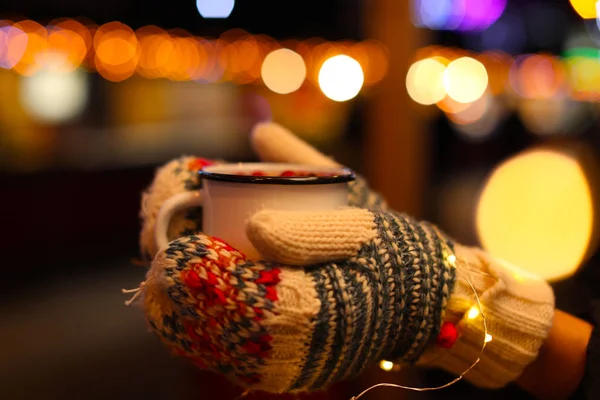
{"points": [[117, 52]]}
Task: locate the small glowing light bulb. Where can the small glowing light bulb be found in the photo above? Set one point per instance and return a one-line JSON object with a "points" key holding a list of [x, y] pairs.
{"points": [[451, 259], [386, 365], [488, 338], [473, 313]]}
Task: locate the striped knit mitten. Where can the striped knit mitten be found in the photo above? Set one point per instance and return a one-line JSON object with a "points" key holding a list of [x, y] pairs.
{"points": [[518, 307], [376, 285], [278, 328], [271, 142]]}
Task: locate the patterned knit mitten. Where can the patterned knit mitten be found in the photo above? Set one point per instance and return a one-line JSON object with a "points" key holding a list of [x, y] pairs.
{"points": [[286, 329], [280, 328], [518, 307], [271, 142]]}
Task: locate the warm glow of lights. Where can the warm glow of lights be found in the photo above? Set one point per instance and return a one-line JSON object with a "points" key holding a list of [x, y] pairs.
{"points": [[156, 48], [386, 365], [245, 62], [488, 338], [585, 8], [536, 212], [473, 113], [54, 94], [451, 259], [184, 57], [215, 8], [465, 79], [318, 54], [373, 58], [37, 43], [70, 44], [450, 106], [473, 313], [424, 81], [13, 43], [283, 71], [341, 78], [584, 77], [117, 51], [537, 76], [497, 65]]}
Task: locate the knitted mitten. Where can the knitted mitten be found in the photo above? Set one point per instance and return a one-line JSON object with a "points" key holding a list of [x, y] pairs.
{"points": [[287, 329], [176, 176], [271, 142], [380, 287], [518, 307]]}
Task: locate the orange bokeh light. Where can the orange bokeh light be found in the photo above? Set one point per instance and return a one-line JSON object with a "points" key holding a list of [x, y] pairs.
{"points": [[37, 43], [153, 56], [117, 51], [538, 77]]}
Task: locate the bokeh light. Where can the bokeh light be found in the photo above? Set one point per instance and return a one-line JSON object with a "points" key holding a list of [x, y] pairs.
{"points": [[54, 94], [461, 15], [536, 212], [156, 48], [479, 120], [537, 76], [215, 8], [36, 44], [465, 79], [283, 71], [586, 9], [68, 43], [13, 43], [117, 51], [424, 81], [583, 71], [558, 115], [341, 78]]}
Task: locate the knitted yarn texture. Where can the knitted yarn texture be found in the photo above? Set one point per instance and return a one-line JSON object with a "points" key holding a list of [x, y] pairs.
{"points": [[287, 329]]}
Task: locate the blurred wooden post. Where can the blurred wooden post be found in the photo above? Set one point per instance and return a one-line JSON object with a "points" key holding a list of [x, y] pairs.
{"points": [[396, 142]]}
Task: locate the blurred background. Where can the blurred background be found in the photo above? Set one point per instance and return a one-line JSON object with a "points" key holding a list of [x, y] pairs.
{"points": [[479, 115]]}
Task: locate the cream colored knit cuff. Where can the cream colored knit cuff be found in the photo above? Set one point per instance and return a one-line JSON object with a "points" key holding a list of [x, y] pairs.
{"points": [[518, 310]]}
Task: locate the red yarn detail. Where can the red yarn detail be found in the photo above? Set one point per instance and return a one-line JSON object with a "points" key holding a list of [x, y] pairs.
{"points": [[224, 244], [266, 338], [191, 332], [192, 279], [271, 293], [448, 335], [221, 303], [268, 277], [252, 347], [199, 163]]}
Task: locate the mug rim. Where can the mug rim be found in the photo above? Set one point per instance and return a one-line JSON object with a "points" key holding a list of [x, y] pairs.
{"points": [[345, 175]]}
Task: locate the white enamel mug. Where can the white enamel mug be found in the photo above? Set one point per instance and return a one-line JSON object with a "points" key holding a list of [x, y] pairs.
{"points": [[231, 193]]}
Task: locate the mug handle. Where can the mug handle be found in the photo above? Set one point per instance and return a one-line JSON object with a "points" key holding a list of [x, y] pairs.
{"points": [[180, 201]]}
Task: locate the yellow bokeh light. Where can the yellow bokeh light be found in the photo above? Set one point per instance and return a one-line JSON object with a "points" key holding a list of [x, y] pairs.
{"points": [[341, 78], [473, 313], [536, 212], [283, 71], [386, 365], [586, 9], [465, 80], [584, 77], [488, 338], [424, 81]]}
